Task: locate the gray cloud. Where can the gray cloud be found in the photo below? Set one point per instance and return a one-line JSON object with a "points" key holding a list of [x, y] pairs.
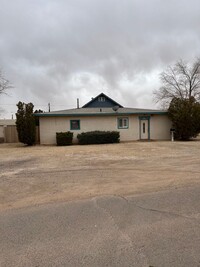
{"points": [[56, 51]]}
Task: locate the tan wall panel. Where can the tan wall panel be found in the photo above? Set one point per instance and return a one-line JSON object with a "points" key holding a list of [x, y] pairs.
{"points": [[11, 135], [160, 127], [50, 125], [1, 132]]}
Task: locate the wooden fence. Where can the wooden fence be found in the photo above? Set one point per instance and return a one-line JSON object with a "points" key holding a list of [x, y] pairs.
{"points": [[11, 136]]}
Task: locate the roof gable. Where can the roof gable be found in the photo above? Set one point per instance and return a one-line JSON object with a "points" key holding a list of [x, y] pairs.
{"points": [[101, 101]]}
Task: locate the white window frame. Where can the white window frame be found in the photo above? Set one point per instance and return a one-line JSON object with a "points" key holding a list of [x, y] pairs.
{"points": [[124, 122], [101, 99]]}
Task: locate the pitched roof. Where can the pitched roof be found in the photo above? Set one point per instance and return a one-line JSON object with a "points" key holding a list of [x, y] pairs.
{"points": [[109, 102], [113, 109], [101, 112]]}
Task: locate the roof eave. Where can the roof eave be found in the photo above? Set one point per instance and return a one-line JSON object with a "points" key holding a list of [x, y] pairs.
{"points": [[100, 114]]}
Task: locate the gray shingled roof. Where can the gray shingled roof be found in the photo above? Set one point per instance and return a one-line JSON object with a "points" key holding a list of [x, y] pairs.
{"points": [[100, 112]]}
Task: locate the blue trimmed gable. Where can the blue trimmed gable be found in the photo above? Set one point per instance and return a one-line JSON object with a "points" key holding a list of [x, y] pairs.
{"points": [[101, 101]]}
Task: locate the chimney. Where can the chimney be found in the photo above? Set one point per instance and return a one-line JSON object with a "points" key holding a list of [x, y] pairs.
{"points": [[77, 102]]}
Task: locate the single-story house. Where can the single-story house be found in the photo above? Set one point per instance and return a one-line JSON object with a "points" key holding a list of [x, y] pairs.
{"points": [[104, 114]]}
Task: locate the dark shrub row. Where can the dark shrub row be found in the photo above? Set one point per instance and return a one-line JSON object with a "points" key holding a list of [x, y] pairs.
{"points": [[98, 137], [64, 139]]}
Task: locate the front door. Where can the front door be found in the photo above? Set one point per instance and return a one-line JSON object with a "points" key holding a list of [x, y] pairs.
{"points": [[144, 129]]}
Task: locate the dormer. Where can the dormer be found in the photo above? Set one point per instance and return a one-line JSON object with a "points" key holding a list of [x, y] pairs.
{"points": [[102, 101]]}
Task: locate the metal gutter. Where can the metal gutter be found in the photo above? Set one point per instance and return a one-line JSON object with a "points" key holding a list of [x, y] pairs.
{"points": [[99, 114]]}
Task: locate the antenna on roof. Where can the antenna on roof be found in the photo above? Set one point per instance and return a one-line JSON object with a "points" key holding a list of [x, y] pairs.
{"points": [[115, 108]]}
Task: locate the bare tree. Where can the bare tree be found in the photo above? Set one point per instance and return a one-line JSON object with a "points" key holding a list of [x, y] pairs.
{"points": [[181, 81], [4, 84]]}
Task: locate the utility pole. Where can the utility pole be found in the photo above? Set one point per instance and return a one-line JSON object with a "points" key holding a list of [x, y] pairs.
{"points": [[49, 107]]}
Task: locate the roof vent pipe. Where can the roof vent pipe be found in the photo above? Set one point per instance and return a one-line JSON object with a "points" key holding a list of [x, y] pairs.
{"points": [[77, 102]]}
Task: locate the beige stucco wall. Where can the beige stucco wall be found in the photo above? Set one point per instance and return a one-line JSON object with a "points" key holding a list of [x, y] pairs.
{"points": [[159, 127]]}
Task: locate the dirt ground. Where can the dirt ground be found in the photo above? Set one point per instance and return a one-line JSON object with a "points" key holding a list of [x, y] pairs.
{"points": [[43, 174]]}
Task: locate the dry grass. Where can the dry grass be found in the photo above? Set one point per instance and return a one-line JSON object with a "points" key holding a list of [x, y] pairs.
{"points": [[43, 174]]}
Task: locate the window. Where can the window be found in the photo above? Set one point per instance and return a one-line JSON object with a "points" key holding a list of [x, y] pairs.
{"points": [[74, 124], [143, 127], [101, 99], [123, 123]]}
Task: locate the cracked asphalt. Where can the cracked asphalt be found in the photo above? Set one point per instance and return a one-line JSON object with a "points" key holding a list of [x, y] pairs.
{"points": [[160, 229]]}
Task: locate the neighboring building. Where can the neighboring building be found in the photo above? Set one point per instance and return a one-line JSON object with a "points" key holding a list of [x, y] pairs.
{"points": [[8, 132], [104, 114]]}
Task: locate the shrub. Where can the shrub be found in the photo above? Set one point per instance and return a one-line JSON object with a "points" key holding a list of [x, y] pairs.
{"points": [[98, 137], [25, 123], [185, 116], [64, 139]]}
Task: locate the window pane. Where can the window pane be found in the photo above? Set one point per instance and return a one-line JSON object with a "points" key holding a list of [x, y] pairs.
{"points": [[75, 125], [123, 123], [143, 127], [101, 99], [120, 123]]}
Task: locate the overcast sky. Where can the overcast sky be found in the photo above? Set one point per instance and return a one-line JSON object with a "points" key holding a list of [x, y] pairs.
{"points": [[59, 50]]}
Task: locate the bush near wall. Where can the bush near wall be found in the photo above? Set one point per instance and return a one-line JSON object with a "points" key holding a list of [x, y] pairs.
{"points": [[64, 138], [98, 137]]}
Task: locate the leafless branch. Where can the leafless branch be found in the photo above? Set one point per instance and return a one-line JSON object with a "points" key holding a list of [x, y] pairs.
{"points": [[4, 84], [181, 81]]}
